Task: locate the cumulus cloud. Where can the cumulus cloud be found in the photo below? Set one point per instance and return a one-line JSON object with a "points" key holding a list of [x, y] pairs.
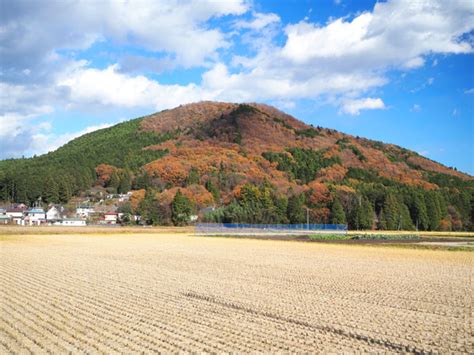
{"points": [[346, 59], [353, 107], [343, 57], [110, 88], [33, 33], [396, 33]]}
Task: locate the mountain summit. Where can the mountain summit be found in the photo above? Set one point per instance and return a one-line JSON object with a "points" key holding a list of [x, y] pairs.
{"points": [[210, 131], [212, 150]]}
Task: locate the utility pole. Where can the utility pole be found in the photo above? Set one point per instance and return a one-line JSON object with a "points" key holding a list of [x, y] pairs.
{"points": [[307, 218]]}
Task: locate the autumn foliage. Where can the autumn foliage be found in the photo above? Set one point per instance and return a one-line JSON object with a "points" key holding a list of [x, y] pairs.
{"points": [[104, 173], [136, 198]]}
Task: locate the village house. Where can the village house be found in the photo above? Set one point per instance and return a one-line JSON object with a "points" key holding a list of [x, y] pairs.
{"points": [[15, 214], [4, 219], [54, 213], [110, 218], [84, 211], [34, 216]]}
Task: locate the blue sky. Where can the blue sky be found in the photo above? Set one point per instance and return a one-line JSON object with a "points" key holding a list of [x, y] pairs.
{"points": [[397, 71]]}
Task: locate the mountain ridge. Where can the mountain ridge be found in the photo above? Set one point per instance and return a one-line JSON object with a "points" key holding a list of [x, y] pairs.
{"points": [[257, 136], [214, 150]]}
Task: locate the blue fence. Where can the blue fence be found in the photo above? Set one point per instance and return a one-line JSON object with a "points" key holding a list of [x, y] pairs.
{"points": [[242, 228]]}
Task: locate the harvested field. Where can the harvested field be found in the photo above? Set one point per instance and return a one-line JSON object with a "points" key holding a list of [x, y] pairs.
{"points": [[144, 293]]}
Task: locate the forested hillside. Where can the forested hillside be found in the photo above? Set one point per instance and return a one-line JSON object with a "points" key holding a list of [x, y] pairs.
{"points": [[58, 175], [252, 163]]}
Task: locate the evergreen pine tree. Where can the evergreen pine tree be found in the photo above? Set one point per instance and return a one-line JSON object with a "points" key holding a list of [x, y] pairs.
{"points": [[124, 183], [362, 216], [180, 209], [50, 192], [295, 211], [405, 222], [433, 209], [114, 182], [281, 206], [390, 214], [193, 177], [338, 216], [64, 192], [149, 209], [212, 188], [420, 213], [234, 213]]}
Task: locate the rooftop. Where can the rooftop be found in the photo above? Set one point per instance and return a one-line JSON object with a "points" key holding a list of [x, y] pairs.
{"points": [[35, 210], [15, 210]]}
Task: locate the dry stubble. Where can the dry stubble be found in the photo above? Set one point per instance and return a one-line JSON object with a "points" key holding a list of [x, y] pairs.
{"points": [[145, 293]]}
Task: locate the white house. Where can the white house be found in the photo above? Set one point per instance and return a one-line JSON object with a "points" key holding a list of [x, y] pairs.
{"points": [[53, 214], [34, 216], [15, 214], [4, 219], [84, 211]]}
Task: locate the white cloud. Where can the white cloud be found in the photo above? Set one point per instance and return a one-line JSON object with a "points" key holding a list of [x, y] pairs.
{"points": [[32, 33], [396, 33], [259, 21], [469, 91], [415, 108], [353, 107], [414, 63], [23, 136], [345, 60], [110, 88]]}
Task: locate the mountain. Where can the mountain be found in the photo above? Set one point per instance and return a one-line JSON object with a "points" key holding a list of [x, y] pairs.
{"points": [[221, 153]]}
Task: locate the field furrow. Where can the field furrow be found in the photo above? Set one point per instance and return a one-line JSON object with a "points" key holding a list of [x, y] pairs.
{"points": [[168, 293]]}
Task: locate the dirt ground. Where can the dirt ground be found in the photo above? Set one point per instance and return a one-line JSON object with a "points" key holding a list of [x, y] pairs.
{"points": [[131, 293]]}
